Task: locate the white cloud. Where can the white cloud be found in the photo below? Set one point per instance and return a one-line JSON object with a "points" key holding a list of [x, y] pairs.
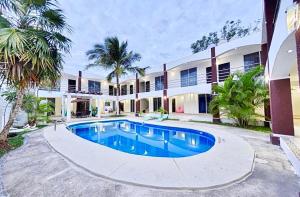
{"points": [[160, 30]]}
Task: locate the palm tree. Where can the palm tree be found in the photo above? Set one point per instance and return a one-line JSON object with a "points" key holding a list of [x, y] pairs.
{"points": [[31, 47], [113, 56], [240, 95]]}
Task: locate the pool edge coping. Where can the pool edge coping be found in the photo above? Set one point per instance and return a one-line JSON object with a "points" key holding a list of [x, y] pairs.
{"points": [[188, 188]]}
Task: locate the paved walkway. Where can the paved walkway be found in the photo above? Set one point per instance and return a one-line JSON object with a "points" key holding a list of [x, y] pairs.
{"points": [[37, 170]]}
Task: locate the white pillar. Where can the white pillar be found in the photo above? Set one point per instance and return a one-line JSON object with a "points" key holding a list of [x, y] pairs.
{"points": [[68, 107], [63, 101], [151, 110], [98, 103]]}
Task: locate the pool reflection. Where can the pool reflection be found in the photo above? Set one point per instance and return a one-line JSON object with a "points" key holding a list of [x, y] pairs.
{"points": [[145, 139]]}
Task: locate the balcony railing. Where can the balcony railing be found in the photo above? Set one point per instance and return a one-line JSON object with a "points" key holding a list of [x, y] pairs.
{"points": [[204, 78], [72, 89]]}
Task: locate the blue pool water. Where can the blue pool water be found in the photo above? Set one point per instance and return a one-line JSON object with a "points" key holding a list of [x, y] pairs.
{"points": [[145, 139]]}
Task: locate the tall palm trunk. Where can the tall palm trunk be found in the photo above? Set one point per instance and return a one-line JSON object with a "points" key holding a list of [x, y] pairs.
{"points": [[14, 111], [118, 94]]}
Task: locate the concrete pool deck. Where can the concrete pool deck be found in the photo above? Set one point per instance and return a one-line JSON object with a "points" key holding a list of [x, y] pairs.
{"points": [[36, 169], [228, 161]]}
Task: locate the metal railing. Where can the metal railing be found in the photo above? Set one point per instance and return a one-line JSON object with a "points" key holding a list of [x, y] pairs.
{"points": [[202, 78], [73, 89], [205, 78]]}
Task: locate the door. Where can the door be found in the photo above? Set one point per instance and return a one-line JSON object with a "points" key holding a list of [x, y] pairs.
{"points": [[202, 103], [132, 105], [121, 106], [173, 105]]}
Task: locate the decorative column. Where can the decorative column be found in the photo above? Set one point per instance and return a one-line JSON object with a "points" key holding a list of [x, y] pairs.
{"points": [[79, 80], [263, 59], [165, 90], [214, 78], [137, 90], [281, 107]]}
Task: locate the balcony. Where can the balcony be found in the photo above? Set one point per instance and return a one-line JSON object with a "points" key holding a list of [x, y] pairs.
{"points": [[93, 91]]}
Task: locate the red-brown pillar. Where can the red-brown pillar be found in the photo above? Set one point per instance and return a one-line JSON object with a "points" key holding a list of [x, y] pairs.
{"points": [[79, 80], [269, 11], [214, 78], [281, 107], [264, 58], [165, 91], [137, 90]]}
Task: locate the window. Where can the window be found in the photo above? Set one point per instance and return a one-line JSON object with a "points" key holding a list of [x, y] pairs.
{"points": [[71, 85], [188, 77], [131, 89], [251, 60], [159, 83], [156, 103], [224, 71], [147, 86], [208, 75], [111, 90], [94, 86], [124, 90]]}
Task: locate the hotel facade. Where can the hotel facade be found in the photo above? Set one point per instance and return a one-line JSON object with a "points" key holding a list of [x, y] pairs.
{"points": [[184, 87]]}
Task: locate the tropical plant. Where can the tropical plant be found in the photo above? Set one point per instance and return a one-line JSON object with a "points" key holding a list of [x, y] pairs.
{"points": [[94, 111], [240, 96], [114, 56], [233, 29], [31, 47], [38, 109], [230, 30], [42, 112], [162, 111]]}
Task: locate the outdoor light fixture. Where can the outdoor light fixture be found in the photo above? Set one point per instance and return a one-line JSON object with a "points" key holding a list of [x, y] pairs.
{"points": [[290, 51], [165, 97], [292, 17]]}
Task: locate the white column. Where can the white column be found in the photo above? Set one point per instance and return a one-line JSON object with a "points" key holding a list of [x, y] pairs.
{"points": [[98, 103], [68, 107], [63, 100], [151, 105]]}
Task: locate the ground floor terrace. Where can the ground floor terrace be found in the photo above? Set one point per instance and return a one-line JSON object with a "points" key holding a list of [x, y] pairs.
{"points": [[189, 106], [37, 169]]}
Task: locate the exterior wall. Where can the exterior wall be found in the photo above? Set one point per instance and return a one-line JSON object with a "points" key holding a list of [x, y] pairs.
{"points": [[58, 104], [126, 104], [236, 59], [276, 70], [232, 52], [187, 102], [145, 104]]}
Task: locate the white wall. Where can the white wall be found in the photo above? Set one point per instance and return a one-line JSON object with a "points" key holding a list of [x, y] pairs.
{"points": [[126, 104], [189, 102], [236, 57]]}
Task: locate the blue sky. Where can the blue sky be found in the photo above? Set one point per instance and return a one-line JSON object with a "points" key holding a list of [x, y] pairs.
{"points": [[160, 30]]}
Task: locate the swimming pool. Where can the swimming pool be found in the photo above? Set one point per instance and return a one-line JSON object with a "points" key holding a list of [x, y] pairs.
{"points": [[145, 139]]}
